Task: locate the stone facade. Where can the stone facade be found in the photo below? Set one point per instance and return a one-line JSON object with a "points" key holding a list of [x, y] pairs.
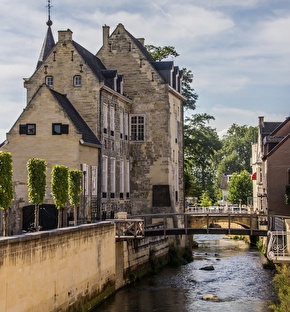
{"points": [[122, 117]]}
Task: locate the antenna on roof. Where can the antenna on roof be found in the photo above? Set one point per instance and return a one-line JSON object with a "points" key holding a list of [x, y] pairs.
{"points": [[49, 22]]}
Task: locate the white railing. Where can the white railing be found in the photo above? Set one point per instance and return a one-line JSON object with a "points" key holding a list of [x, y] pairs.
{"points": [[278, 249]]}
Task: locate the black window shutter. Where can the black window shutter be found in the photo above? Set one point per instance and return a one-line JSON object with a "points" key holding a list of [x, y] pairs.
{"points": [[64, 129], [22, 129]]}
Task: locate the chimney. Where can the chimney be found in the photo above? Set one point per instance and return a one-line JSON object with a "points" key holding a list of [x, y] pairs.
{"points": [[64, 35], [261, 121], [106, 33]]}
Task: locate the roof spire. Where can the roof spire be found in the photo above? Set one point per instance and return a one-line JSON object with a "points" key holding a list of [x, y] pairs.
{"points": [[49, 22], [48, 43]]}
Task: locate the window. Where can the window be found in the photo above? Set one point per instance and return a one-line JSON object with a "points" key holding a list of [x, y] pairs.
{"points": [[105, 118], [29, 129], [121, 124], [58, 129], [77, 81], [112, 120], [126, 123], [137, 128], [127, 179], [49, 80], [94, 180], [122, 177], [113, 177], [105, 176]]}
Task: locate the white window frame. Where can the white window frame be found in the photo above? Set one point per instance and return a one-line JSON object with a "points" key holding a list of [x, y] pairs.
{"points": [[112, 120], [49, 81], [113, 176], [77, 80], [122, 177], [105, 118], [137, 128], [105, 174], [126, 126], [121, 124], [127, 177], [94, 180]]}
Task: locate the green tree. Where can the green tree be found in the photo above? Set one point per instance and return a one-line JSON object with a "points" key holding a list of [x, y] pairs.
{"points": [[59, 189], [236, 150], [36, 182], [161, 53], [200, 145], [205, 200], [74, 190], [6, 187], [240, 188]]}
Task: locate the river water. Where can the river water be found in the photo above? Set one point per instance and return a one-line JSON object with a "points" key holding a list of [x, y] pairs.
{"points": [[238, 279]]}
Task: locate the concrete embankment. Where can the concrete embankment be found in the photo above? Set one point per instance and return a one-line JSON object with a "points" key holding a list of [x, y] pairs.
{"points": [[71, 269]]}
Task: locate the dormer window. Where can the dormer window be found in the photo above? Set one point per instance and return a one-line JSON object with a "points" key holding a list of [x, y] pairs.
{"points": [[77, 81], [49, 81]]}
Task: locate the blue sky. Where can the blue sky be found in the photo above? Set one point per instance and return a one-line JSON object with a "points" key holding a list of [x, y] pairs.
{"points": [[238, 50]]}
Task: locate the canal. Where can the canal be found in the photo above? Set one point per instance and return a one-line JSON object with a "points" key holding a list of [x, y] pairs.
{"points": [[238, 280]]}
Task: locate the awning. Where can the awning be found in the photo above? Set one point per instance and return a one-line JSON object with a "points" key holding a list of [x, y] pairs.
{"points": [[254, 176]]}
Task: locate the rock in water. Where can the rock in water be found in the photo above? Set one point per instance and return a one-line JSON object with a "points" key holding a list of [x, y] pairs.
{"points": [[210, 297], [208, 268]]}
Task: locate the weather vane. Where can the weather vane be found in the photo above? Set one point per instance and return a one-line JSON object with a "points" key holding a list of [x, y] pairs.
{"points": [[49, 22]]}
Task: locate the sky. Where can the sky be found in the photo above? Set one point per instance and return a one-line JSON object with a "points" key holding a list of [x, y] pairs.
{"points": [[237, 50]]}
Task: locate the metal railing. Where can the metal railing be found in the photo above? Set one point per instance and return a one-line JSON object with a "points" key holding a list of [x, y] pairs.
{"points": [[278, 250]]}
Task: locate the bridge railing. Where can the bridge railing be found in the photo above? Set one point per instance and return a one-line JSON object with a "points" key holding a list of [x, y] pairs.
{"points": [[207, 223], [278, 246], [129, 228]]}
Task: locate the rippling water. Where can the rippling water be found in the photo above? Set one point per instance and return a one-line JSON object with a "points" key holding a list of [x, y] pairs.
{"points": [[238, 279]]}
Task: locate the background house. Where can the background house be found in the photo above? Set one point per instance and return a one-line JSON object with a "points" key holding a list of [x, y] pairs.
{"points": [[271, 165]]}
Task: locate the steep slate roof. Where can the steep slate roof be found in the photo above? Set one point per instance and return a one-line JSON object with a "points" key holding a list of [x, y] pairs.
{"points": [[47, 46], [91, 60], [87, 134]]}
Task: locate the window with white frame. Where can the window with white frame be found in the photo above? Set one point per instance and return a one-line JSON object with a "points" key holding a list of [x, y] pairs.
{"points": [[127, 179], [105, 118], [104, 176], [49, 81], [112, 120], [137, 127], [113, 177], [126, 125], [122, 178], [121, 124], [77, 80], [94, 180]]}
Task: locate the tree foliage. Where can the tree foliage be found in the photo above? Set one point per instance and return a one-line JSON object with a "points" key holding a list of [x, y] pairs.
{"points": [[6, 187], [236, 150], [240, 188], [201, 142], [205, 200], [36, 183], [59, 189], [74, 189], [161, 53]]}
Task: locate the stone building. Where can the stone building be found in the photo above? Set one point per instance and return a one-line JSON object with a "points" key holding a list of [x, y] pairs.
{"points": [[271, 167], [116, 115]]}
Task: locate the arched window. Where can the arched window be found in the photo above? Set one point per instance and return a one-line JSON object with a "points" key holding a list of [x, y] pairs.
{"points": [[77, 81]]}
